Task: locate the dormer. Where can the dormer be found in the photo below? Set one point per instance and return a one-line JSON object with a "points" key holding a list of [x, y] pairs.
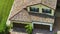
{"points": [[40, 8]]}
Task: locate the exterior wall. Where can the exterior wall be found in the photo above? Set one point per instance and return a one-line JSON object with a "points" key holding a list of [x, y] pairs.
{"points": [[40, 6], [57, 13]]}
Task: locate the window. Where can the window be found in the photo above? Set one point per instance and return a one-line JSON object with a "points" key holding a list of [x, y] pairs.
{"points": [[46, 10], [34, 9]]}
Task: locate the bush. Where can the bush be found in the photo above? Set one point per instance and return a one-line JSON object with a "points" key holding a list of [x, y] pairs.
{"points": [[29, 28], [6, 31]]}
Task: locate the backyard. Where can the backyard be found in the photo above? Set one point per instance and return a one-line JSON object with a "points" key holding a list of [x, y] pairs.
{"points": [[5, 7]]}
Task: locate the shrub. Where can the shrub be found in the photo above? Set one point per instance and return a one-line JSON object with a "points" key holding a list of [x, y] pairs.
{"points": [[6, 31], [29, 28]]}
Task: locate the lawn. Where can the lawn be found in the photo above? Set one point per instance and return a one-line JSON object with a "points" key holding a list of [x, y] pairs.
{"points": [[5, 7]]}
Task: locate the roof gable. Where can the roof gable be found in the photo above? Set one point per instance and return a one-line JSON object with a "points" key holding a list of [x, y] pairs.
{"points": [[22, 16]]}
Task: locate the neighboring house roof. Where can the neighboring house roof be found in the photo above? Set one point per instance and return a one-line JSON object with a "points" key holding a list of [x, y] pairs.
{"points": [[20, 4], [24, 16], [17, 9]]}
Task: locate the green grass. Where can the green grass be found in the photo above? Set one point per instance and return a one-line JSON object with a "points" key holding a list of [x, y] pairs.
{"points": [[5, 7]]}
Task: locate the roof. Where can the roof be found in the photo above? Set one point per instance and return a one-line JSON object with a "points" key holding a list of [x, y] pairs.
{"points": [[50, 3], [24, 16], [20, 4]]}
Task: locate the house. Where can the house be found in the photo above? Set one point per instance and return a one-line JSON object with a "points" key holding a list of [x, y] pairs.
{"points": [[33, 11]]}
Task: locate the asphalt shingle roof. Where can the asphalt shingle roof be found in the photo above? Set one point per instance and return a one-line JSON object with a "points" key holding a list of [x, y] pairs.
{"points": [[18, 13], [20, 4]]}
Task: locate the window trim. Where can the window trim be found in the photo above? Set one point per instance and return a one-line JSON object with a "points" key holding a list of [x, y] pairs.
{"points": [[47, 12], [35, 8]]}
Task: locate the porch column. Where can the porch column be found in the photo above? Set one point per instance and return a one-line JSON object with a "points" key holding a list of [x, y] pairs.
{"points": [[51, 27], [33, 25]]}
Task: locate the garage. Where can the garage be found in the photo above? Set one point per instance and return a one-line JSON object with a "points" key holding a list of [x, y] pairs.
{"points": [[18, 25]]}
